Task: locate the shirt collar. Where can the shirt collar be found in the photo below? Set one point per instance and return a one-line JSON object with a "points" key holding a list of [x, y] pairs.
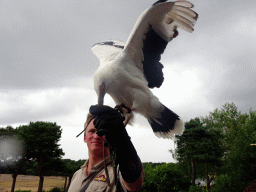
{"points": [[97, 166]]}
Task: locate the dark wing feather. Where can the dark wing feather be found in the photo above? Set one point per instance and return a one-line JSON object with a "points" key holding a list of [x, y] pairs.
{"points": [[153, 47], [160, 1], [153, 30]]}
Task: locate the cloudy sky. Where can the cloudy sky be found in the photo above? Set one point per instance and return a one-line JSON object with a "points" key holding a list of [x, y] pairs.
{"points": [[46, 65]]}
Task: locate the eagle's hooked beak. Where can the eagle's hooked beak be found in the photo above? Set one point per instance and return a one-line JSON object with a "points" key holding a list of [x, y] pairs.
{"points": [[102, 92]]}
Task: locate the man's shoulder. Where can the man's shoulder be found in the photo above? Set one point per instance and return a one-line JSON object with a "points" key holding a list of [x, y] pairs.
{"points": [[79, 171], [76, 181]]}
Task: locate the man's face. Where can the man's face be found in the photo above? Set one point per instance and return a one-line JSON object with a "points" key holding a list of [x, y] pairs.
{"points": [[94, 142]]}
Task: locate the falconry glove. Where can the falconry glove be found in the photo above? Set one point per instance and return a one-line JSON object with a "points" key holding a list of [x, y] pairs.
{"points": [[109, 122]]}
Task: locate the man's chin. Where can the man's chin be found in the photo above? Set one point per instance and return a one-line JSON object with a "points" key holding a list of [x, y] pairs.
{"points": [[96, 147]]}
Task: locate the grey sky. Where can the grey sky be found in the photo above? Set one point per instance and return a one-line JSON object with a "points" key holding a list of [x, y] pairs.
{"points": [[46, 65]]}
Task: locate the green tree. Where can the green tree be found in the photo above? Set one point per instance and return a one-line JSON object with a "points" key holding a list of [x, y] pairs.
{"points": [[8, 152], [213, 153], [11, 152], [241, 157], [165, 177], [168, 177], [149, 183], [199, 147], [69, 168], [226, 119], [27, 169], [239, 167], [41, 145]]}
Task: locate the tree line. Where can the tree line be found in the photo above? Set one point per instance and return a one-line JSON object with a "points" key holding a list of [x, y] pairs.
{"points": [[215, 149], [218, 148], [33, 149]]}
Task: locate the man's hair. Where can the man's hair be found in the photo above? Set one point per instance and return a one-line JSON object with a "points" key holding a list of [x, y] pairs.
{"points": [[88, 120]]}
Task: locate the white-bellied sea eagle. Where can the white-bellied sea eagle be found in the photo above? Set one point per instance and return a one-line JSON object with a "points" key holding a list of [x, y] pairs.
{"points": [[128, 70]]}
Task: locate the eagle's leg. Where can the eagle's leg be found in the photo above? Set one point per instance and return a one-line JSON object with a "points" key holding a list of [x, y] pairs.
{"points": [[127, 119], [125, 112]]}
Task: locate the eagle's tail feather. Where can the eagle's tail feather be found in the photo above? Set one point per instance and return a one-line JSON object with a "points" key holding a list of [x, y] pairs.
{"points": [[168, 125]]}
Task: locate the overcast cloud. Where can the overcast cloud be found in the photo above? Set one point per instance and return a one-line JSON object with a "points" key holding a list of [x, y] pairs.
{"points": [[46, 65]]}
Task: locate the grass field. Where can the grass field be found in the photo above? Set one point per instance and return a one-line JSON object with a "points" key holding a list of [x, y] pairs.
{"points": [[26, 182]]}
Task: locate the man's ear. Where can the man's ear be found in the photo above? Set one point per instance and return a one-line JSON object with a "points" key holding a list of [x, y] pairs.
{"points": [[85, 139]]}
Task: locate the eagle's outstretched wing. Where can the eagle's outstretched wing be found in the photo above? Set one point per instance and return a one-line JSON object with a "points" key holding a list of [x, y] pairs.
{"points": [[108, 50], [153, 30]]}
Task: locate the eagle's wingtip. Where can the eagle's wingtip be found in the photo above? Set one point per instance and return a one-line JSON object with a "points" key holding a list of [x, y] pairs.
{"points": [[168, 125], [177, 130], [160, 1]]}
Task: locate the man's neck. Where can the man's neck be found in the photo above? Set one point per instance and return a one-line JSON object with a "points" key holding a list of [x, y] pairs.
{"points": [[94, 159]]}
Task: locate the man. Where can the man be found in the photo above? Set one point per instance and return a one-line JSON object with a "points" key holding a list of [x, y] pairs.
{"points": [[104, 127]]}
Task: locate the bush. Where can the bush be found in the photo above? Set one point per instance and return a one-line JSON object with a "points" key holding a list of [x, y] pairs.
{"points": [[149, 180], [164, 178], [194, 188], [223, 183], [23, 191], [55, 189]]}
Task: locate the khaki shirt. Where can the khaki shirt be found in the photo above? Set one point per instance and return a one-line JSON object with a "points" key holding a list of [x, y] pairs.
{"points": [[99, 183]]}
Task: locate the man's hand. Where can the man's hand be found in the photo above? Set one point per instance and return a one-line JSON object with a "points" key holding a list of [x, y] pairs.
{"points": [[109, 122]]}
